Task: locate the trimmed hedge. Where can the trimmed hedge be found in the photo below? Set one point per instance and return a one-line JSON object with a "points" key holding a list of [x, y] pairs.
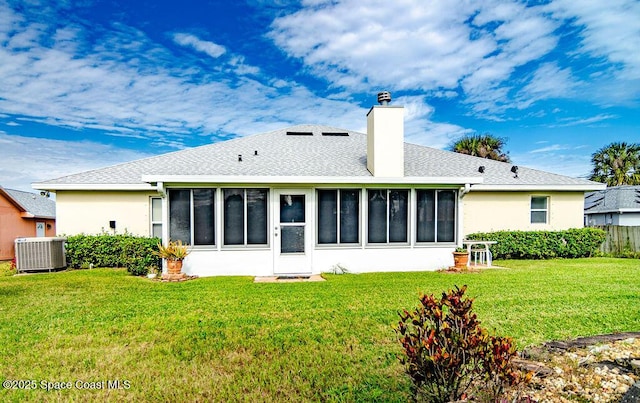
{"points": [[104, 250], [572, 243]]}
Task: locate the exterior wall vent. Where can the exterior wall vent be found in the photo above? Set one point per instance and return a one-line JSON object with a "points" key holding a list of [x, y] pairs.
{"points": [[37, 254]]}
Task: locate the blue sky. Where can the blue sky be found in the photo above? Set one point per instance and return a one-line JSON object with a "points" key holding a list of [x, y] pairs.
{"points": [[91, 83]]}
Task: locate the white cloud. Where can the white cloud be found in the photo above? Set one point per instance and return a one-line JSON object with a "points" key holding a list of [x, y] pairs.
{"points": [[553, 147], [210, 48], [565, 122], [400, 44], [406, 45], [610, 29], [609, 33], [478, 50], [548, 81], [27, 159]]}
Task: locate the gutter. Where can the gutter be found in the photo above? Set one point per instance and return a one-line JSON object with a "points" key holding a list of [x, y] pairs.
{"points": [[405, 180], [541, 188]]}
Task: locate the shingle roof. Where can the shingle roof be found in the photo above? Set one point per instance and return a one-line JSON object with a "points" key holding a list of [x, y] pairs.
{"points": [[32, 203], [613, 199], [334, 155]]}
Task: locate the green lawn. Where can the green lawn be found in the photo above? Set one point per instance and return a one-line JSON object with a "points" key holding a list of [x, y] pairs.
{"points": [[226, 338]]}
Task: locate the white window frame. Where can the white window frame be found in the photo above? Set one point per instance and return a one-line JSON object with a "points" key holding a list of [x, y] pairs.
{"points": [[534, 210], [153, 222]]}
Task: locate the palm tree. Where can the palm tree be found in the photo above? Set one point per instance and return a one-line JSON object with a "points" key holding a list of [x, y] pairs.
{"points": [[482, 145], [617, 164]]}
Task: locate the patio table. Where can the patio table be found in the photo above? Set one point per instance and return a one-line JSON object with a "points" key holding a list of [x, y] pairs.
{"points": [[482, 251]]}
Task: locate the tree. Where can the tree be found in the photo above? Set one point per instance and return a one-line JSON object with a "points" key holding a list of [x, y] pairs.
{"points": [[617, 164], [482, 145]]}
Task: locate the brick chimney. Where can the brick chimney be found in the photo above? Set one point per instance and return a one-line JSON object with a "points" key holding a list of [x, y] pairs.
{"points": [[385, 138]]}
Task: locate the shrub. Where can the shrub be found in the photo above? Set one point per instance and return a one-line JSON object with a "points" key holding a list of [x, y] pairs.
{"points": [[572, 243], [8, 268], [105, 250], [449, 356]]}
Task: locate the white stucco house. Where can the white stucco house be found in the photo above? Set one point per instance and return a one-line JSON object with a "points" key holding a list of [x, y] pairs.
{"points": [[302, 199], [618, 205]]}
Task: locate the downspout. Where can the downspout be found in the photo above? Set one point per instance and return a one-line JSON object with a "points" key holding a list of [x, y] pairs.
{"points": [[161, 190], [464, 190], [461, 193]]}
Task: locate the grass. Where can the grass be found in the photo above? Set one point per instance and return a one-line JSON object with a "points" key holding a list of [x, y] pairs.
{"points": [[227, 338]]}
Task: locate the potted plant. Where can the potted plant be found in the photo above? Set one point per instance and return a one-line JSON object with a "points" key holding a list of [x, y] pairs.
{"points": [[460, 258], [174, 253]]}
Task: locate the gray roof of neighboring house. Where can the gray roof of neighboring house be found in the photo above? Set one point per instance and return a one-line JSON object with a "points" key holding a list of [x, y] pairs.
{"points": [[32, 203], [283, 155], [613, 199]]}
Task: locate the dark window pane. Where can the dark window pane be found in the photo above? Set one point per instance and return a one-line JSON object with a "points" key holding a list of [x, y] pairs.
{"points": [[233, 217], [180, 215], [446, 216], [327, 216], [349, 215], [291, 208], [203, 217], [426, 231], [292, 238], [398, 215], [539, 203], [377, 217], [257, 216], [538, 217]]}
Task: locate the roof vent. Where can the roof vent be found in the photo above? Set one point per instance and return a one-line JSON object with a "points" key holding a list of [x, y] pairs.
{"points": [[514, 169], [299, 134], [239, 157], [336, 134], [384, 97], [481, 169]]}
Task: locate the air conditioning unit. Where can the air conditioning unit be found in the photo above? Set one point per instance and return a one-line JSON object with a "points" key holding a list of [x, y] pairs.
{"points": [[36, 254]]}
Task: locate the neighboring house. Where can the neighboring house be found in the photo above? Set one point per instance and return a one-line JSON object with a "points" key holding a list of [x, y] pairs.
{"points": [[307, 198], [24, 214], [619, 205]]}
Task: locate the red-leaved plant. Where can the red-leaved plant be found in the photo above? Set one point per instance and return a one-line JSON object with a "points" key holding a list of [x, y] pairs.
{"points": [[449, 356]]}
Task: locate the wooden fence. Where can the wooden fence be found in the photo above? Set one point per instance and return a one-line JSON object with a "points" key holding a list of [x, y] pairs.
{"points": [[620, 239]]}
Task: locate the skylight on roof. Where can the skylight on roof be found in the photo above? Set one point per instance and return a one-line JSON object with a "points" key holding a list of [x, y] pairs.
{"points": [[336, 134], [299, 134]]}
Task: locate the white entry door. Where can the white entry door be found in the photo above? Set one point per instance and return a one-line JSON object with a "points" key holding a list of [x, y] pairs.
{"points": [[292, 242], [40, 232]]}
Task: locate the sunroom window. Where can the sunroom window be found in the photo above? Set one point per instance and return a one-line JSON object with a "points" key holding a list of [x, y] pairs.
{"points": [[245, 217], [192, 216], [387, 215], [338, 216], [436, 215]]}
